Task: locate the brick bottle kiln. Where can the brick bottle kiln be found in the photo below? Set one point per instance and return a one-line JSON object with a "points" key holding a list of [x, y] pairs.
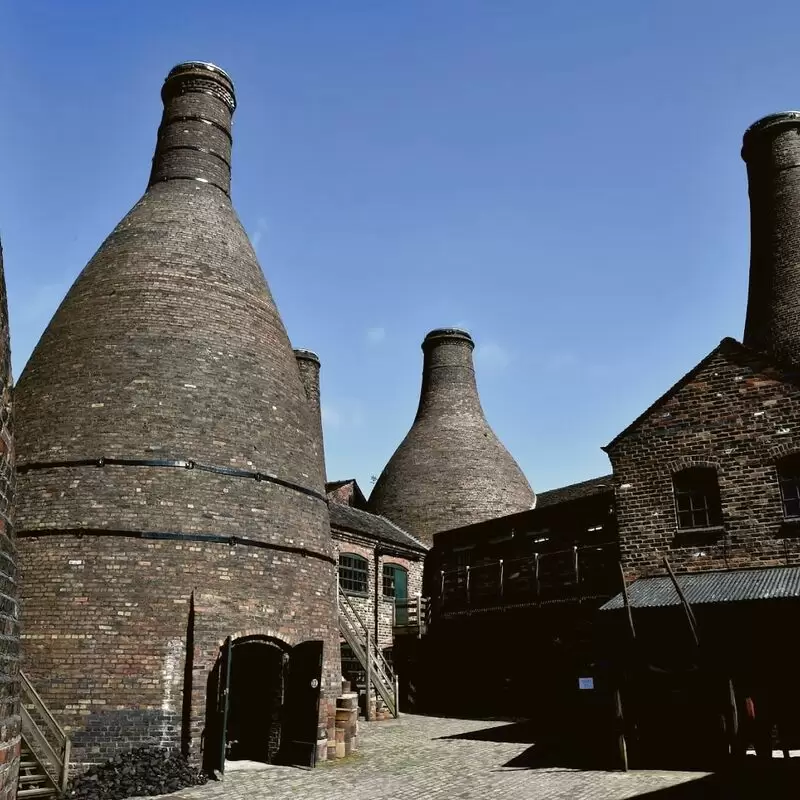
{"points": [[9, 613], [171, 490], [451, 469]]}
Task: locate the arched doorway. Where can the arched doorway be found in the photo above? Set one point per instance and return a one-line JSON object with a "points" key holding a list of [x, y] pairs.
{"points": [[262, 703], [259, 667]]}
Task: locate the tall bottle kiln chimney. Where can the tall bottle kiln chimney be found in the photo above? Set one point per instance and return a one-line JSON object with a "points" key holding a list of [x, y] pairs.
{"points": [[451, 469], [170, 472], [9, 612], [771, 150]]}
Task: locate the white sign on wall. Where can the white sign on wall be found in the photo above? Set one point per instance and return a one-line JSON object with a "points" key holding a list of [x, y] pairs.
{"points": [[586, 683]]}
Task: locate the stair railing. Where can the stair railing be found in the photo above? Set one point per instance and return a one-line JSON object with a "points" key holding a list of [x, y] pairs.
{"points": [[366, 650], [44, 735]]}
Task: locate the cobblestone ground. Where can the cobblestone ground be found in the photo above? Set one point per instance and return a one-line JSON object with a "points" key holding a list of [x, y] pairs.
{"points": [[409, 758]]}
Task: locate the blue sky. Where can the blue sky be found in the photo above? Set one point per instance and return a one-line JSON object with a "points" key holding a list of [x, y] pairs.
{"points": [[561, 178]]}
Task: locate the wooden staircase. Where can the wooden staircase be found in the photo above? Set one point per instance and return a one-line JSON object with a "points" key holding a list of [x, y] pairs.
{"points": [[45, 748], [33, 778], [377, 670]]}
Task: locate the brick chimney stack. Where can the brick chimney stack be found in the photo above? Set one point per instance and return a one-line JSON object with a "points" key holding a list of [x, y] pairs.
{"points": [[771, 150], [308, 364], [451, 469], [194, 138]]}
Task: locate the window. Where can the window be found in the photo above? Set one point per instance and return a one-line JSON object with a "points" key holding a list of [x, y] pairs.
{"points": [[697, 502], [395, 581], [789, 478], [353, 573]]}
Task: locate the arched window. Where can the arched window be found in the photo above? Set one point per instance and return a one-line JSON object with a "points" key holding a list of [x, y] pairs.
{"points": [[353, 573], [789, 479], [697, 502]]}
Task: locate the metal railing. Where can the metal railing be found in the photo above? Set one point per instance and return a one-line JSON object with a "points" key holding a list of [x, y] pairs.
{"points": [[378, 672], [571, 574], [44, 735]]}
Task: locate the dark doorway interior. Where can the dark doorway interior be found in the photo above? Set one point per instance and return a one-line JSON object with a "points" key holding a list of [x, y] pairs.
{"points": [[257, 685]]}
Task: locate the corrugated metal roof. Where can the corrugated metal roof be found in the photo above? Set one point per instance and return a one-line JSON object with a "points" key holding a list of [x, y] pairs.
{"points": [[712, 587]]}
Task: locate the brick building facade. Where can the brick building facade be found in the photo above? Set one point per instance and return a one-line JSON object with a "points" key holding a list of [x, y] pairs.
{"points": [[9, 613], [380, 571], [726, 432]]}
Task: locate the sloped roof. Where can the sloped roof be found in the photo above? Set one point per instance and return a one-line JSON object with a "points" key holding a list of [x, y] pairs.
{"points": [[575, 491], [726, 586], [359, 499], [354, 520], [727, 347]]}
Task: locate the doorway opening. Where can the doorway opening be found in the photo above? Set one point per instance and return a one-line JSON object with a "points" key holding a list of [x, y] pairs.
{"points": [[263, 703], [255, 702]]}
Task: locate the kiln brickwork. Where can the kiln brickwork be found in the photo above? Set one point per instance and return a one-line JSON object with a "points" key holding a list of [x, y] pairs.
{"points": [[451, 469], [771, 150], [9, 612], [168, 452]]}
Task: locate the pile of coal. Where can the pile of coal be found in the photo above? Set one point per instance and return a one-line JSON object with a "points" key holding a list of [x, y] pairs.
{"points": [[143, 772]]}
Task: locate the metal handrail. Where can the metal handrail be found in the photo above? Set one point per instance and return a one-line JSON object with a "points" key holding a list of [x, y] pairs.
{"points": [[378, 670], [380, 661], [509, 563]]}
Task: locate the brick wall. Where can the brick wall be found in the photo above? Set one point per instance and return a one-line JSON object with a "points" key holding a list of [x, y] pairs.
{"points": [[373, 608], [117, 675], [9, 613], [737, 413]]}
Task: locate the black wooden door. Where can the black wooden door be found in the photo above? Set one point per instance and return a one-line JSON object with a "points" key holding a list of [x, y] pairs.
{"points": [[301, 705], [225, 662], [218, 690]]}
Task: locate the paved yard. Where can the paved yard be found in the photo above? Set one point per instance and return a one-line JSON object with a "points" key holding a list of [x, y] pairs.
{"points": [[409, 758]]}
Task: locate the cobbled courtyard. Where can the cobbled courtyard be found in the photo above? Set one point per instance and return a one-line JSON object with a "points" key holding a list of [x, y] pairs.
{"points": [[414, 757]]}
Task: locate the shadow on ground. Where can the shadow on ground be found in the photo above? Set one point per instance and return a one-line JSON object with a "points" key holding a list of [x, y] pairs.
{"points": [[543, 752], [777, 779]]}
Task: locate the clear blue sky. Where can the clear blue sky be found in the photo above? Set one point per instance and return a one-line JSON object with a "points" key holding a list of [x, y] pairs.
{"points": [[562, 178]]}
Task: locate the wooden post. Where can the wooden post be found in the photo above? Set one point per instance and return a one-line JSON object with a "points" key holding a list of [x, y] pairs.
{"points": [[686, 607], [620, 720], [367, 705], [65, 765], [626, 602]]}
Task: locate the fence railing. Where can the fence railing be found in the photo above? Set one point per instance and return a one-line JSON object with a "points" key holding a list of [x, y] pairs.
{"points": [[570, 574], [44, 735]]}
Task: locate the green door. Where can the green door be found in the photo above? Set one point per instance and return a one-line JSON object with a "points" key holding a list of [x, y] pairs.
{"points": [[401, 596]]}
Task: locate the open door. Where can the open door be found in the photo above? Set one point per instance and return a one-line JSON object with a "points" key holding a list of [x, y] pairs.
{"points": [[215, 739], [401, 596], [301, 705]]}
